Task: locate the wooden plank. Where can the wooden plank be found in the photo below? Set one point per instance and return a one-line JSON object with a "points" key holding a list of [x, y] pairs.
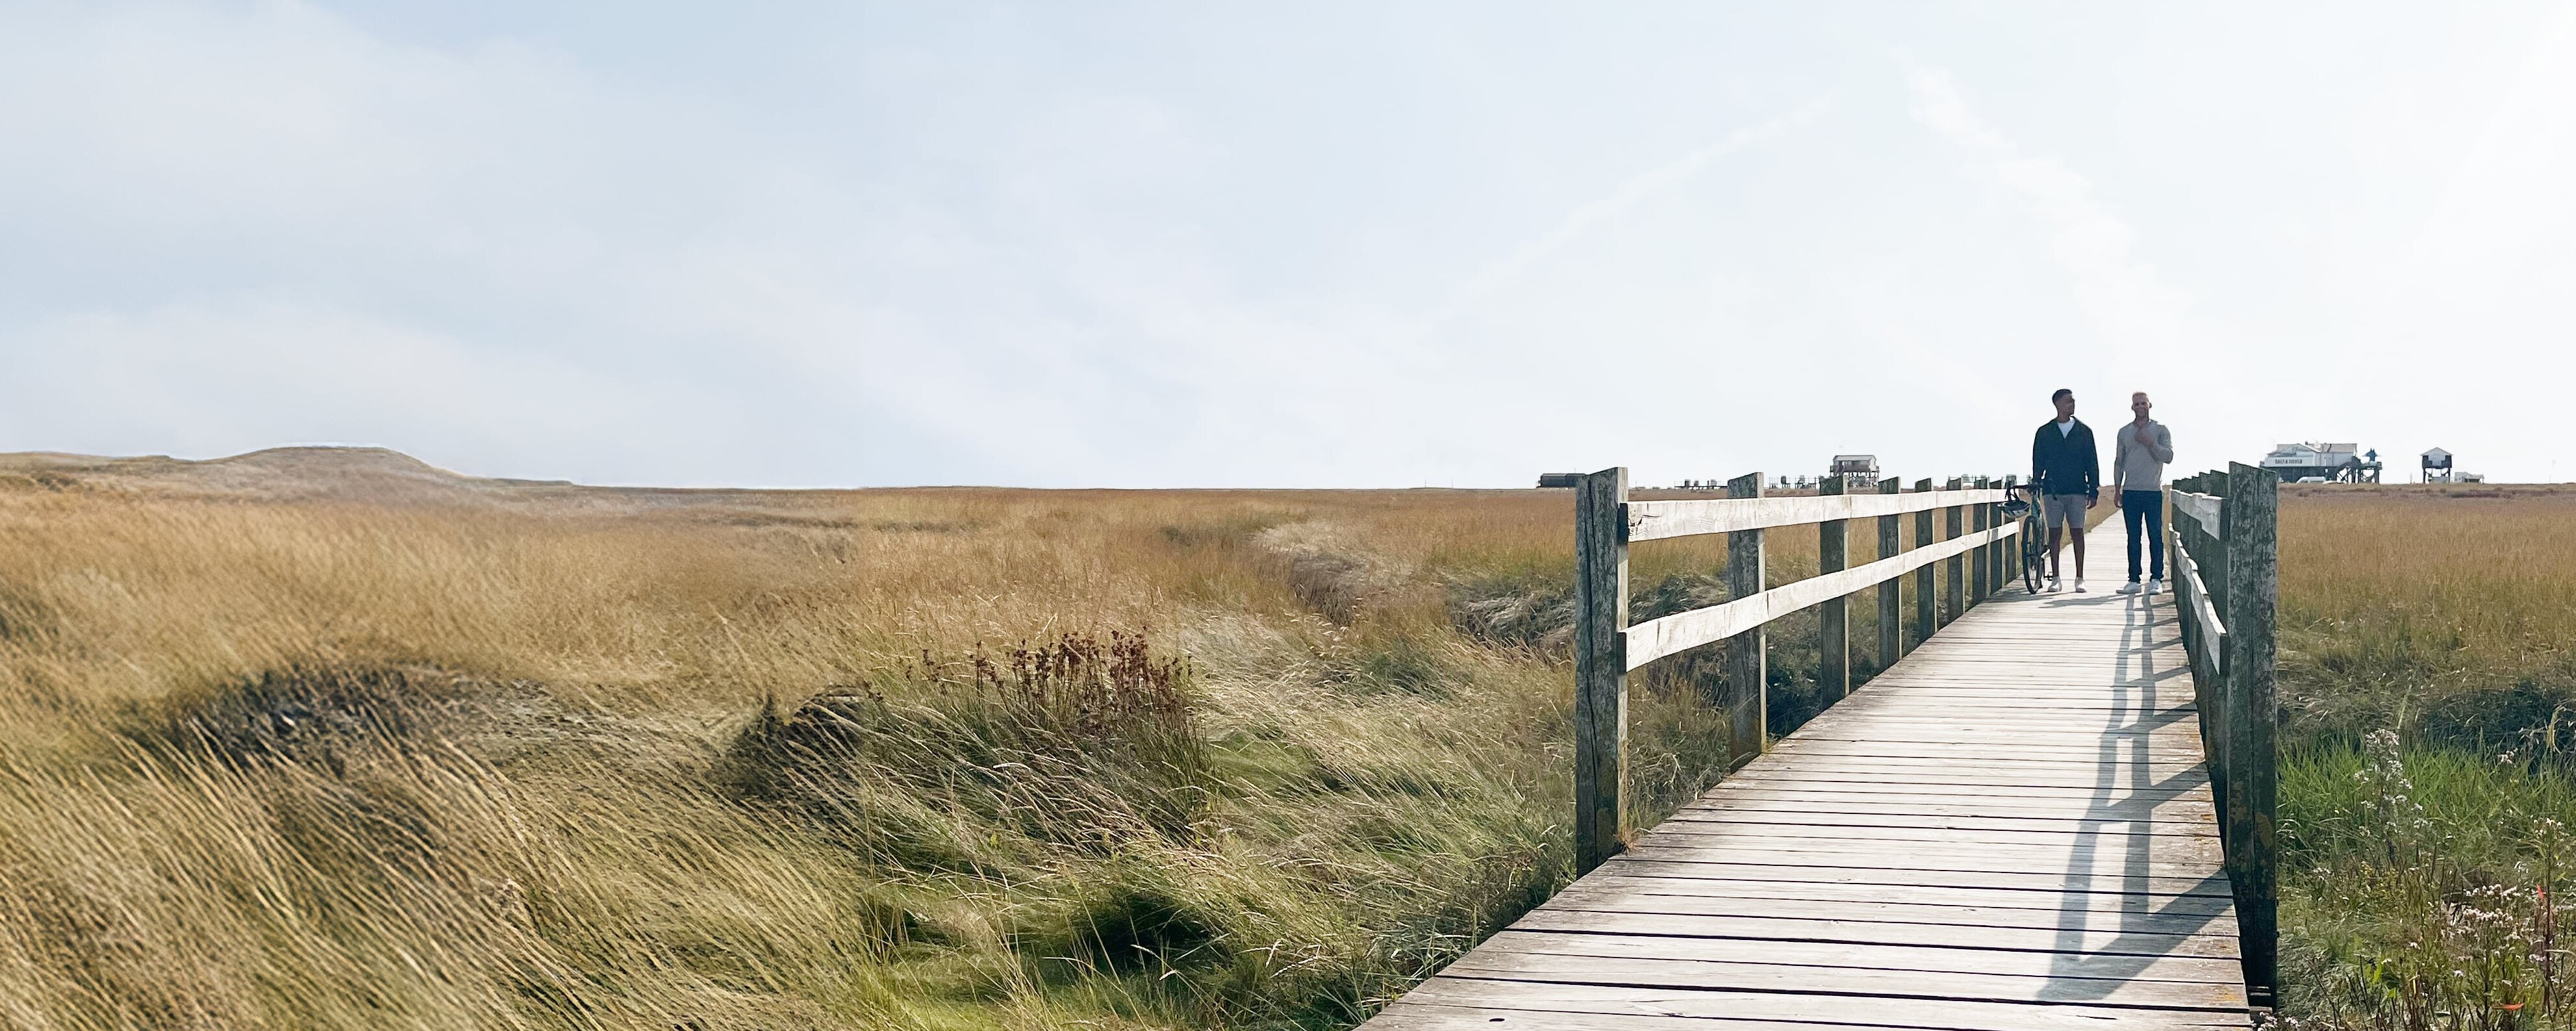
{"points": [[2156, 925], [2208, 631], [2193, 801], [1658, 520], [1934, 697], [1747, 704], [2157, 921], [2200, 815], [1832, 1010], [2003, 798], [1936, 757], [1962, 765], [1875, 956], [1781, 977], [2107, 862], [1750, 865], [1413, 1016], [2177, 741], [2203, 900], [1656, 638], [1833, 624], [1841, 831], [1601, 669], [2173, 740], [2199, 508], [1409, 1015]]}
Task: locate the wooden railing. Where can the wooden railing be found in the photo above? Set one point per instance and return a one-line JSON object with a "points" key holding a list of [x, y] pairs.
{"points": [[1607, 647], [2225, 571]]}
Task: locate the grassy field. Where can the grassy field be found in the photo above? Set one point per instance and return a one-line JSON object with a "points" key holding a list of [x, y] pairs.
{"points": [[333, 741], [530, 756], [2430, 698]]}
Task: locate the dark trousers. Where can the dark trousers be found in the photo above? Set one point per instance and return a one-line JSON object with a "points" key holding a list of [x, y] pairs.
{"points": [[2145, 506]]}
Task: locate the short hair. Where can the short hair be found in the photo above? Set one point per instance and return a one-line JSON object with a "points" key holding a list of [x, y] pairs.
{"points": [[2061, 394]]}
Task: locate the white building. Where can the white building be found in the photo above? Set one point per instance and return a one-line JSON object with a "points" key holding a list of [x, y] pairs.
{"points": [[2437, 466], [2302, 460], [1863, 465]]}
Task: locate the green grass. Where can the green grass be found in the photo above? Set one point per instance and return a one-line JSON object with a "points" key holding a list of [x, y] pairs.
{"points": [[2425, 793]]}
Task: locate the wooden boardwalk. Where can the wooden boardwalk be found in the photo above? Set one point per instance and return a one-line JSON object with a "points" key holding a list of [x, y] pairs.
{"points": [[2009, 829]]}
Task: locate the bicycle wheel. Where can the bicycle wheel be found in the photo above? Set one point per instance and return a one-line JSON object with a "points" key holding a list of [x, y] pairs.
{"points": [[2034, 555]]}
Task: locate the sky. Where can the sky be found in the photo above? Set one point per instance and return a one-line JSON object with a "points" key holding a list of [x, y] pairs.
{"points": [[1285, 245]]}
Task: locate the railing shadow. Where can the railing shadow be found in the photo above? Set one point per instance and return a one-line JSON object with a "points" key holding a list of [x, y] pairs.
{"points": [[2126, 793]]}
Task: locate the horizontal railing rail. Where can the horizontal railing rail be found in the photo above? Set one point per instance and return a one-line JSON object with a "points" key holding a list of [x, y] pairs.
{"points": [[1660, 520], [1966, 556], [2224, 534]]}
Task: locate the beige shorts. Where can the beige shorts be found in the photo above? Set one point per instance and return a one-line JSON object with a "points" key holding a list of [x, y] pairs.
{"points": [[2056, 510]]}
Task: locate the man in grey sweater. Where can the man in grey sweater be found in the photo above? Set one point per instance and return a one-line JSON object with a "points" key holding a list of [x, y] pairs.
{"points": [[2140, 452]]}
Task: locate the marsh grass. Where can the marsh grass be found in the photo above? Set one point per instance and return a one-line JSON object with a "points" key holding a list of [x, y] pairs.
{"points": [[886, 759], [2426, 793]]}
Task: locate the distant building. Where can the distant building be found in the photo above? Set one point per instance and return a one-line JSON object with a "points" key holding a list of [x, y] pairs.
{"points": [[2437, 466], [1854, 465], [2311, 462]]}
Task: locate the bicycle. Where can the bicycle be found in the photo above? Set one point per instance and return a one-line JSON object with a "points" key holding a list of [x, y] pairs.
{"points": [[2034, 537]]}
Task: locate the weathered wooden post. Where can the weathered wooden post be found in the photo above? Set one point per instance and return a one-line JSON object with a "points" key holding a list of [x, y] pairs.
{"points": [[1747, 668], [1981, 562], [1833, 616], [2008, 552], [1955, 594], [2249, 521], [1600, 666], [1891, 592], [1926, 599]]}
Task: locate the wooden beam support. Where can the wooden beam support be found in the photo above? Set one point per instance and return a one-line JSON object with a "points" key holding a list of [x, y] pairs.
{"points": [[1747, 666], [1926, 598], [1981, 562], [1954, 595], [2253, 839], [1600, 667], [1891, 594], [1833, 618]]}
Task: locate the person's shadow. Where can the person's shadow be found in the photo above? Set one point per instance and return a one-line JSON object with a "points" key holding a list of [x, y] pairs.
{"points": [[2155, 913]]}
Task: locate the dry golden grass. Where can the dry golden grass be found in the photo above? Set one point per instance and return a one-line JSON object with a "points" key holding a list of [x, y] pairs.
{"points": [[462, 763], [2396, 597], [330, 739]]}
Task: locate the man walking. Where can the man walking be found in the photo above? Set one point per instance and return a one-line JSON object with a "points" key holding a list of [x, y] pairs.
{"points": [[2068, 469], [2138, 460]]}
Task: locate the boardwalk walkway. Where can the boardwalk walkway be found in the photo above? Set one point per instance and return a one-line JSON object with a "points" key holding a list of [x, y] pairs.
{"points": [[2009, 829]]}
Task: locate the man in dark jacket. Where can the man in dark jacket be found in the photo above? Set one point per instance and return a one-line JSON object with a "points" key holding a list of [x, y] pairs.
{"points": [[2068, 469]]}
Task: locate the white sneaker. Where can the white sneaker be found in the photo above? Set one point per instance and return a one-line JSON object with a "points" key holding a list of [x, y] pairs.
{"points": [[2130, 588], [2155, 587], [2079, 585], [2056, 584]]}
